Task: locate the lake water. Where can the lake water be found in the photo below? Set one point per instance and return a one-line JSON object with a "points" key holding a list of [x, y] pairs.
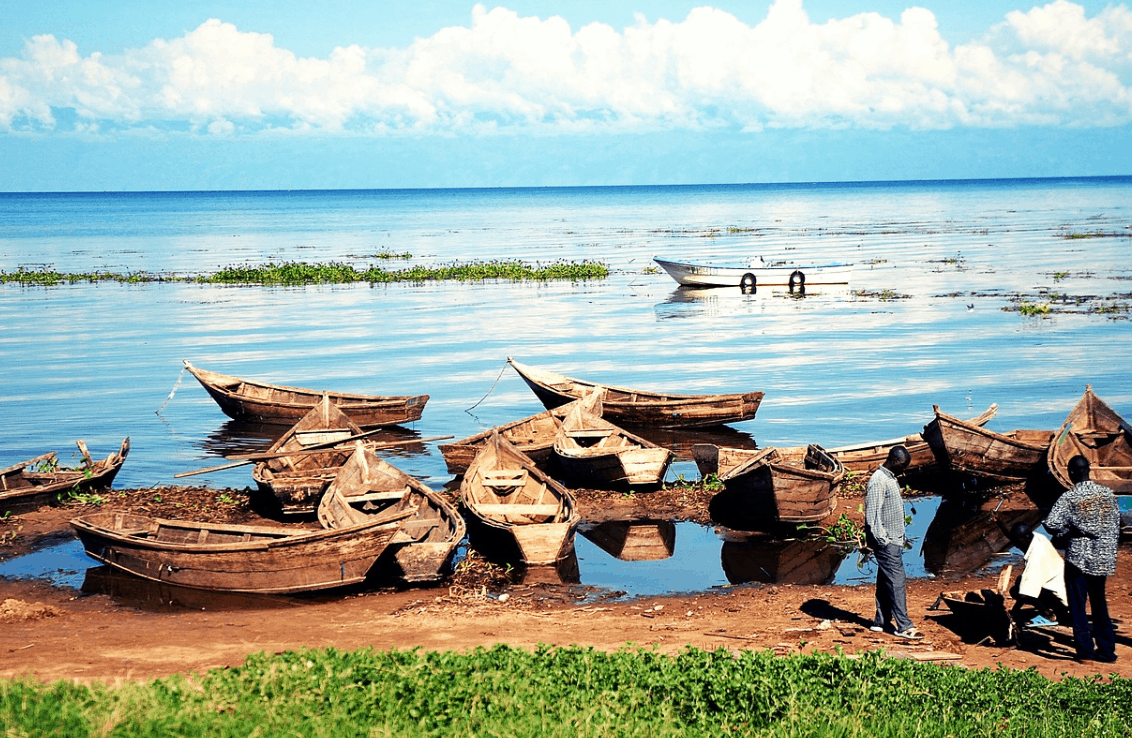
{"points": [[838, 366]]}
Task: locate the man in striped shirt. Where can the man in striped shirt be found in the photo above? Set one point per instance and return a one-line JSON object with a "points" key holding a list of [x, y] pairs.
{"points": [[1087, 518], [884, 533]]}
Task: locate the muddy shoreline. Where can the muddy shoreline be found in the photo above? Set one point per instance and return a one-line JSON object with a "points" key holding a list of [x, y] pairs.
{"points": [[58, 633]]}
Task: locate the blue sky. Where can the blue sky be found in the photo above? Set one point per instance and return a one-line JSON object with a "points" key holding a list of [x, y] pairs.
{"points": [[282, 94]]}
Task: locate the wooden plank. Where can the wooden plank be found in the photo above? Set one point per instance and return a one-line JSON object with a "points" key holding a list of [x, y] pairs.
{"points": [[519, 509]]}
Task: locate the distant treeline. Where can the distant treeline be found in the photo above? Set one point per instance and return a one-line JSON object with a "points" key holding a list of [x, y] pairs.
{"points": [[300, 273]]}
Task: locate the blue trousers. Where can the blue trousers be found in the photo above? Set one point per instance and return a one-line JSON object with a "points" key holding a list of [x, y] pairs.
{"points": [[1079, 586], [892, 605]]}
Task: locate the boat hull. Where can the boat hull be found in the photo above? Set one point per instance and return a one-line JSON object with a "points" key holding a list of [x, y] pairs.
{"points": [[274, 404], [999, 457], [704, 275], [22, 491], [1095, 431], [234, 558], [630, 407]]}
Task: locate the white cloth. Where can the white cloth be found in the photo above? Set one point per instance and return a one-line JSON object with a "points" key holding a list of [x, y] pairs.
{"points": [[1044, 570]]}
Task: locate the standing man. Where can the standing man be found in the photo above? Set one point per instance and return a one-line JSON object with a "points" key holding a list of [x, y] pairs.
{"points": [[884, 533], [1087, 518]]}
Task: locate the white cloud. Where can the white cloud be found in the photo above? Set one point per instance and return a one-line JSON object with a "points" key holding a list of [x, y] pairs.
{"points": [[1048, 65]]}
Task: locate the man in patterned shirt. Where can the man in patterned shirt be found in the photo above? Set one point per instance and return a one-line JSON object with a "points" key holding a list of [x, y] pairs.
{"points": [[1087, 517], [884, 533]]}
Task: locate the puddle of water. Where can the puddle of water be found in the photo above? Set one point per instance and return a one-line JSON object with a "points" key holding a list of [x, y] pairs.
{"points": [[62, 564], [638, 558]]}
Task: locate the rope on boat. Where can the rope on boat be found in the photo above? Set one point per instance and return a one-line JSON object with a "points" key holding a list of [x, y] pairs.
{"points": [[172, 392], [473, 407]]}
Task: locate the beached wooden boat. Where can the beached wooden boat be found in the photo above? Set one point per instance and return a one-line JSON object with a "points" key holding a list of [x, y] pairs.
{"points": [[298, 475], [800, 482], [757, 274], [591, 451], [237, 558], [39, 481], [964, 447], [244, 399], [514, 510], [533, 435], [867, 457], [633, 540], [631, 407], [367, 485], [1095, 431]]}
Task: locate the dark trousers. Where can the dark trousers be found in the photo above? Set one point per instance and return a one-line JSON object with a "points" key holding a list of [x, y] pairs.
{"points": [[1079, 586], [891, 601]]}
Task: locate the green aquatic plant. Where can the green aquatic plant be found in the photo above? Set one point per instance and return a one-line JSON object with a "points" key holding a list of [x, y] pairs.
{"points": [[1029, 308], [302, 273]]}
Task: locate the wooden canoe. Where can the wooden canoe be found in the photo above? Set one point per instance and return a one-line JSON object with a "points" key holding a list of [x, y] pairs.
{"points": [[1095, 431], [297, 478], [799, 481], [867, 457], [640, 407], [591, 451], [244, 399], [39, 481], [237, 558], [533, 435], [367, 485], [964, 447], [514, 510]]}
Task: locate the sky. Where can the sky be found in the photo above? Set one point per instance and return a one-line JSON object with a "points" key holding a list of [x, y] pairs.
{"points": [[282, 94]]}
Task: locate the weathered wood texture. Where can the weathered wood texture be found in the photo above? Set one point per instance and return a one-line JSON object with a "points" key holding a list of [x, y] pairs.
{"points": [[39, 481], [533, 435], [367, 485], [962, 446], [514, 509], [867, 457], [801, 480], [640, 407], [594, 452], [261, 402], [1095, 431], [296, 478], [236, 558]]}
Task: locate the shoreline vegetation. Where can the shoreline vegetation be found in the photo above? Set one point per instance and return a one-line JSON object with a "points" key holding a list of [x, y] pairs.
{"points": [[575, 691], [303, 273]]}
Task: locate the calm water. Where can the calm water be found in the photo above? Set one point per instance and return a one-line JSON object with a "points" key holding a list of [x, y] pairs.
{"points": [[98, 362]]}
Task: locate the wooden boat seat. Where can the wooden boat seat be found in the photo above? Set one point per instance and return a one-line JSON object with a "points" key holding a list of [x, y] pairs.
{"points": [[503, 478], [519, 509], [587, 433], [316, 438], [379, 496]]}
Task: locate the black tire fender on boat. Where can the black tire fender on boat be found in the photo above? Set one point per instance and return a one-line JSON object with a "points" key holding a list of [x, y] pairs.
{"points": [[797, 278], [747, 282]]}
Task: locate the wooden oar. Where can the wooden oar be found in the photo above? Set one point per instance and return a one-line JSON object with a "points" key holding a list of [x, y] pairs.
{"points": [[253, 458]]}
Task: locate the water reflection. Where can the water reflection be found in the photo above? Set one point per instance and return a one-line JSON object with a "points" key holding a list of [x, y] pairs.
{"points": [[961, 540], [240, 437], [681, 440], [164, 597], [636, 557], [772, 561], [633, 540]]}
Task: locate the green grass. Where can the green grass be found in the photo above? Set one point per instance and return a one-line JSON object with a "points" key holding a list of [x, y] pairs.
{"points": [[574, 691], [302, 273]]}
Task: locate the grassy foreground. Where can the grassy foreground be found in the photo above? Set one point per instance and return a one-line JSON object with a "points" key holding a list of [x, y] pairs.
{"points": [[300, 273], [574, 691]]}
